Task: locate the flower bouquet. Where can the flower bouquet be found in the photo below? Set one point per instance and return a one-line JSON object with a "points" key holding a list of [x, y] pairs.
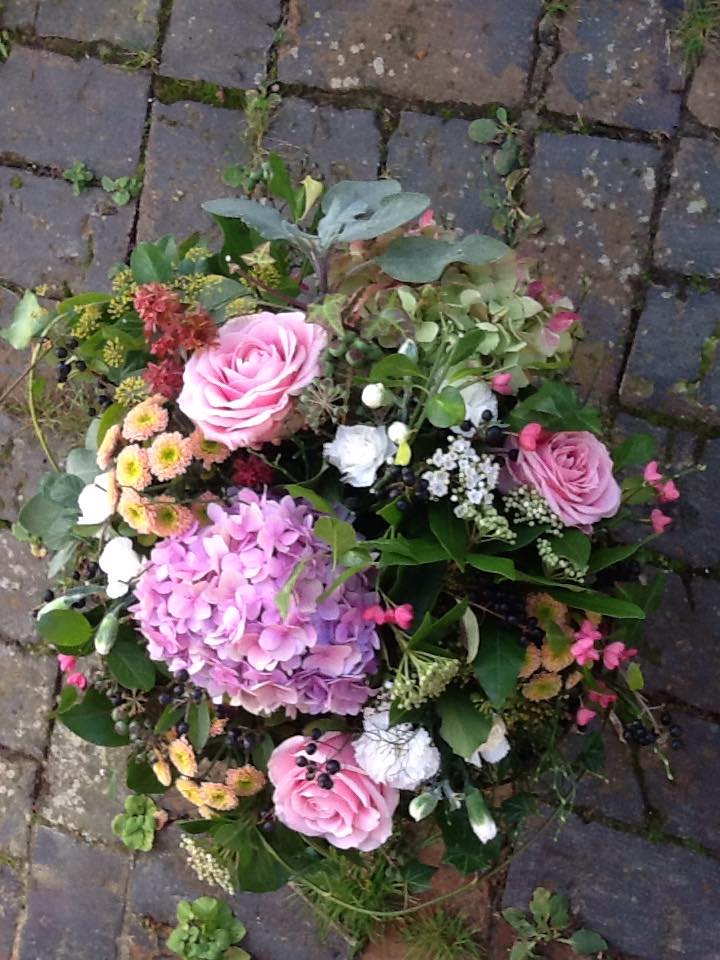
{"points": [[335, 552]]}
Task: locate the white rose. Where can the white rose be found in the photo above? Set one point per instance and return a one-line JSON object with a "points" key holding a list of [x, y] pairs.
{"points": [[478, 398], [373, 395], [495, 747], [121, 564], [358, 452], [94, 501], [402, 756], [399, 432]]}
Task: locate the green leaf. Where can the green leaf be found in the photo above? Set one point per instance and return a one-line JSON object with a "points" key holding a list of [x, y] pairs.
{"points": [[112, 415], [498, 662], [91, 720], [635, 678], [605, 557], [44, 518], [150, 264], [168, 718], [280, 185], [81, 463], [483, 130], [505, 159], [540, 905], [573, 546], [463, 727], [432, 630], [559, 911], [283, 597], [300, 492], [66, 628], [338, 533], [638, 449], [599, 603], [417, 876], [261, 218], [449, 530], [141, 779], [463, 849], [423, 260], [518, 921], [199, 721], [446, 408], [29, 319], [500, 566], [129, 663], [556, 406], [521, 949], [68, 698], [587, 942], [394, 367], [391, 213]]}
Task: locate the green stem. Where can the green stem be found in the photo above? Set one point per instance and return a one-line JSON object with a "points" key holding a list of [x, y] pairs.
{"points": [[33, 412]]}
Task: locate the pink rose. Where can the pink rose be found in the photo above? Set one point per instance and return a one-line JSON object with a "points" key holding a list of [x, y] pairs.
{"points": [[353, 813], [241, 390], [572, 470]]}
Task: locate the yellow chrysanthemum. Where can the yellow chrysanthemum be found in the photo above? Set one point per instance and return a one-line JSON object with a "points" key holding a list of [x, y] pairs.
{"points": [[169, 455], [133, 467], [245, 781], [161, 769], [108, 447], [208, 451], [218, 796], [189, 790], [543, 686], [134, 510], [144, 421], [182, 757], [531, 663], [168, 518]]}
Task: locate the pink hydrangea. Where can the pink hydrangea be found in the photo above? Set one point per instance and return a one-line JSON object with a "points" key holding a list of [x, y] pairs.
{"points": [[353, 813], [206, 603]]}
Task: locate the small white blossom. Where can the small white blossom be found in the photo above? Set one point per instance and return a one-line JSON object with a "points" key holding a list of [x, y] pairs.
{"points": [[94, 501], [402, 756], [358, 452], [373, 396], [121, 564], [478, 398], [399, 432], [495, 747]]}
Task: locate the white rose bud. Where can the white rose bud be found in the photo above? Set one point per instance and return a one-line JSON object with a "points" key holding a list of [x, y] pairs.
{"points": [[358, 452], [495, 747], [481, 821], [106, 633], [373, 396], [399, 432], [94, 502]]}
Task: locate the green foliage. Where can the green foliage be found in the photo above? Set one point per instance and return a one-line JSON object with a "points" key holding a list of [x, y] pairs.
{"points": [[123, 189], [5, 44], [440, 935], [29, 319], [207, 930], [498, 662], [556, 406], [91, 720], [548, 923], [699, 23], [423, 260], [463, 727], [136, 827], [80, 176], [129, 663]]}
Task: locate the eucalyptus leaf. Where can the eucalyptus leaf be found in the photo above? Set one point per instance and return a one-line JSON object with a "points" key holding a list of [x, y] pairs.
{"points": [[423, 260], [260, 217]]}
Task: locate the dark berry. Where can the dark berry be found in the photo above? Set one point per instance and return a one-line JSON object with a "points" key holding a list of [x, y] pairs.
{"points": [[231, 739], [79, 604], [48, 596], [73, 343], [117, 700], [311, 748], [665, 719], [494, 436], [63, 369], [312, 767], [268, 826], [332, 766], [676, 744], [532, 621], [76, 574], [675, 730], [310, 775], [61, 353], [104, 400], [402, 505], [92, 569], [325, 781], [394, 473], [80, 365], [249, 741], [466, 425], [395, 490], [183, 727], [182, 675], [164, 699], [197, 695], [222, 711], [487, 415], [525, 641], [315, 733], [302, 761], [408, 475], [91, 412], [178, 689]]}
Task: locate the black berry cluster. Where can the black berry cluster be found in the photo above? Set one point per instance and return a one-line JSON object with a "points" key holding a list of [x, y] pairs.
{"points": [[315, 771], [510, 608], [406, 487]]}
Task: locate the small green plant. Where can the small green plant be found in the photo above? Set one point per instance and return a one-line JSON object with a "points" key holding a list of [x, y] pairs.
{"points": [[503, 132], [698, 24], [80, 176], [123, 189], [556, 8], [550, 923], [207, 930], [259, 108], [136, 827], [139, 60], [5, 44], [440, 936]]}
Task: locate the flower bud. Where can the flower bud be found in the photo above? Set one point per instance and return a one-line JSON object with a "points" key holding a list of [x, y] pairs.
{"points": [[373, 395], [422, 806], [106, 634], [481, 821], [399, 432]]}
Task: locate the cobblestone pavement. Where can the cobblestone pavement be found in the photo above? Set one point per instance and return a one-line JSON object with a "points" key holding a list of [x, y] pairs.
{"points": [[624, 158]]}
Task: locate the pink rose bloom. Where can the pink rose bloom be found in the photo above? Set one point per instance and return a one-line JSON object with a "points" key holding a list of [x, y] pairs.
{"points": [[354, 813], [242, 389], [572, 470]]}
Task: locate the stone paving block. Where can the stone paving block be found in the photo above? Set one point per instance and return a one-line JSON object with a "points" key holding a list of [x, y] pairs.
{"points": [[694, 536], [75, 901], [57, 110], [617, 792], [647, 899], [616, 65], [11, 898], [220, 41], [688, 239], [83, 796], [664, 379], [439, 158], [595, 197], [449, 50], [48, 236], [18, 13], [23, 580], [279, 924], [17, 782], [688, 803], [682, 639], [126, 23], [27, 682], [329, 143], [190, 145], [704, 97]]}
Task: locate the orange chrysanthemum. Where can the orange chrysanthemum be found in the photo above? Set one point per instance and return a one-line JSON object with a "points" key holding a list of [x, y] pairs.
{"points": [[134, 510], [208, 451], [543, 686], [182, 757], [168, 518], [245, 781], [190, 790], [108, 447], [218, 796], [169, 455], [531, 662], [133, 468], [161, 769], [144, 420]]}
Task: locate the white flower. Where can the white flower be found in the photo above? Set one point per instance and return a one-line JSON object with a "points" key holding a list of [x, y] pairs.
{"points": [[358, 452], [481, 821], [399, 432], [121, 564], [94, 501], [495, 747], [478, 398], [373, 395], [402, 756]]}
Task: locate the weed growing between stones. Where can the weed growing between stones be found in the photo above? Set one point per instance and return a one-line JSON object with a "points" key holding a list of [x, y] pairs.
{"points": [[699, 24]]}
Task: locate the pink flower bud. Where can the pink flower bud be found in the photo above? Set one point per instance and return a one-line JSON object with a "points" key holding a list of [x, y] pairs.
{"points": [[562, 320], [668, 492], [603, 699], [502, 383], [584, 716], [651, 474], [66, 662], [404, 615], [374, 614], [531, 435]]}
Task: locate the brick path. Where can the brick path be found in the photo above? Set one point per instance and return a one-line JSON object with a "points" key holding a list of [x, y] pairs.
{"points": [[625, 171]]}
